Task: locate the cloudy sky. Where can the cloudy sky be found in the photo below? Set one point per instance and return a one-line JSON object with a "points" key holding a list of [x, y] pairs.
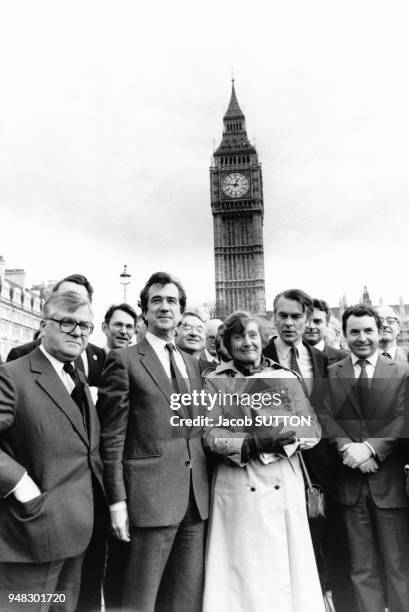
{"points": [[110, 111]]}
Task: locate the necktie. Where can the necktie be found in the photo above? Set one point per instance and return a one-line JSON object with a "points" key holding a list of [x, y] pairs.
{"points": [[296, 368], [178, 383], [78, 393], [386, 354], [363, 385]]}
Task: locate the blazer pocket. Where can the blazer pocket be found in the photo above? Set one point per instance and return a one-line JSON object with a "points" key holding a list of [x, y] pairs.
{"points": [[29, 509], [130, 459]]}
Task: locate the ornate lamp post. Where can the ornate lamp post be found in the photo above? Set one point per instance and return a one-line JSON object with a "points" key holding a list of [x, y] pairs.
{"points": [[125, 280]]}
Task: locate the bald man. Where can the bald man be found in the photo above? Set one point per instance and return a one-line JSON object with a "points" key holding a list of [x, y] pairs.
{"points": [[389, 333]]}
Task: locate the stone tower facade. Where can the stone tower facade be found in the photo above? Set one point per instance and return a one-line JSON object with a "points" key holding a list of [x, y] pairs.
{"points": [[236, 190]]}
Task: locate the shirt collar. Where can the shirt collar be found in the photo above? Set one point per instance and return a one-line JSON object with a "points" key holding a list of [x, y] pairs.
{"points": [[210, 357], [373, 359], [56, 363], [284, 349], [158, 343], [320, 345], [391, 350]]}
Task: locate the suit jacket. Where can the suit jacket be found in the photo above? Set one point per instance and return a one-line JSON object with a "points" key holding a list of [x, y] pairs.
{"points": [[401, 355], [320, 460], [334, 355], [147, 461], [381, 426], [95, 356], [42, 432]]}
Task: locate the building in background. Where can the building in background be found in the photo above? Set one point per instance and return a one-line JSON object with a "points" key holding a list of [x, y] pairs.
{"points": [[236, 190], [20, 309]]}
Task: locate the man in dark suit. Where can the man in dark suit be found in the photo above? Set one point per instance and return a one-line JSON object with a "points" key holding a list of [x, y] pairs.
{"points": [[316, 331], [50, 468], [91, 361], [363, 419], [292, 311], [155, 472]]}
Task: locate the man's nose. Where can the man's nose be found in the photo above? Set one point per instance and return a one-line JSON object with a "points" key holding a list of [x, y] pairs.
{"points": [[76, 331], [362, 336]]}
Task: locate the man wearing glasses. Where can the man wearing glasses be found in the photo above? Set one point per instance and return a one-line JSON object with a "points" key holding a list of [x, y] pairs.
{"points": [[119, 326], [389, 333], [190, 334], [50, 468]]}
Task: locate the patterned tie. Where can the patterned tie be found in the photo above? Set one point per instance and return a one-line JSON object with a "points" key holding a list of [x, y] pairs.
{"points": [[178, 383], [296, 368], [363, 385], [78, 393]]}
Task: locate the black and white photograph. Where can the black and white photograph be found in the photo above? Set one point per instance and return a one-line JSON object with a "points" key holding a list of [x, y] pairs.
{"points": [[204, 311]]}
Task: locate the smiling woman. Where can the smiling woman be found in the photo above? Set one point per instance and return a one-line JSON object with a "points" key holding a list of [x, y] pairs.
{"points": [[259, 552]]}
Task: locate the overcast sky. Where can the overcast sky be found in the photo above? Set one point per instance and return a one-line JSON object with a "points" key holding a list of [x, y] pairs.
{"points": [[109, 114]]}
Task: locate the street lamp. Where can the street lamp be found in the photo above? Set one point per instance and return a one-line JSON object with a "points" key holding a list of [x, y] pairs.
{"points": [[125, 280]]}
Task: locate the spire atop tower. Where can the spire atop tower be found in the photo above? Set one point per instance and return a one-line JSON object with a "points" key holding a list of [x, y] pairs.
{"points": [[234, 109]]}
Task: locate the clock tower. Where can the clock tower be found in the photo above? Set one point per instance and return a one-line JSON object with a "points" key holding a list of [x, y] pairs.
{"points": [[236, 190]]}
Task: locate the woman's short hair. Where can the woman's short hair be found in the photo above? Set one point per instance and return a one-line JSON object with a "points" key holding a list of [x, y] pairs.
{"points": [[236, 323]]}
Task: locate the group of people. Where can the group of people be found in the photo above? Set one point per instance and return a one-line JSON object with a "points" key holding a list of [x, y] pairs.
{"points": [[115, 496]]}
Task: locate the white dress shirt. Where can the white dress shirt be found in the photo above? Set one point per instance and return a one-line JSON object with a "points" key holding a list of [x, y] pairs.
{"points": [[303, 359], [392, 350], [158, 345], [370, 370], [370, 365]]}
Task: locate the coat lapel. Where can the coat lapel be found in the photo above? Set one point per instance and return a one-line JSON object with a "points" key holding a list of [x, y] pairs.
{"points": [[153, 366], [50, 382], [382, 377], [346, 376]]}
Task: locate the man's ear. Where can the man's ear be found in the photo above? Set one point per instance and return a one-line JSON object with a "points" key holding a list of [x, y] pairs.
{"points": [[104, 328]]}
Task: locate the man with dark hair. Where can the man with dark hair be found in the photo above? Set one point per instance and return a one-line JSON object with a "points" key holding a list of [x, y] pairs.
{"points": [[50, 469], [119, 326], [92, 359], [155, 473], [363, 418], [292, 311], [316, 330]]}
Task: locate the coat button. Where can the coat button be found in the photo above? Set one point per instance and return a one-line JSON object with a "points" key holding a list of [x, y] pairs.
{"points": [[187, 463], [277, 486], [253, 489]]}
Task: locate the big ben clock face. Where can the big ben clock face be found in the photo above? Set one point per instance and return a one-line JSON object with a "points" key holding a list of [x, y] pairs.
{"points": [[235, 185]]}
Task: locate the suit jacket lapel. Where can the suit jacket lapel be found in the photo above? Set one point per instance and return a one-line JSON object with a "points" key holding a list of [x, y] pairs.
{"points": [[50, 382], [153, 366], [382, 376], [346, 376]]}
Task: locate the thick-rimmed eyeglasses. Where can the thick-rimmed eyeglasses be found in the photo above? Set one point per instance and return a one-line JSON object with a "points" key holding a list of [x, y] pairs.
{"points": [[69, 325]]}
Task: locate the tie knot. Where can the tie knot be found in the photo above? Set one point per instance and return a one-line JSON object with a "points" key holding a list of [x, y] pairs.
{"points": [[294, 351], [362, 363], [386, 354], [69, 368], [169, 346]]}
